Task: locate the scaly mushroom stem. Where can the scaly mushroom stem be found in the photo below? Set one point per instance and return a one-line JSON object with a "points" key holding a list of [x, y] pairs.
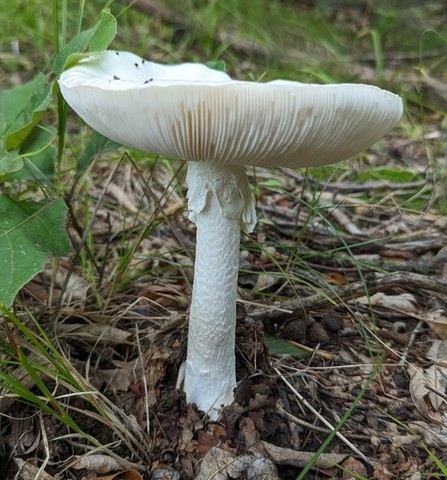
{"points": [[220, 204]]}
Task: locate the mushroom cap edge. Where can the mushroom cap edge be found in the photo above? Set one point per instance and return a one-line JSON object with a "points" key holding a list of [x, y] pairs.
{"points": [[192, 112]]}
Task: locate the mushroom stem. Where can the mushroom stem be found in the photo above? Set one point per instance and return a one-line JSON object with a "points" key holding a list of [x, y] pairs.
{"points": [[220, 204]]}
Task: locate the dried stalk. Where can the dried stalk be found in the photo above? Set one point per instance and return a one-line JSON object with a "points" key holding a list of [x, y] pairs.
{"points": [[372, 284]]}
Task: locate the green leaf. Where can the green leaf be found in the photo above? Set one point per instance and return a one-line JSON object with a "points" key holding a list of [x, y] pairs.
{"points": [[271, 183], [95, 39], [34, 160], [38, 154], [29, 232], [21, 108], [10, 162], [279, 347], [390, 174], [217, 65], [96, 146], [105, 32]]}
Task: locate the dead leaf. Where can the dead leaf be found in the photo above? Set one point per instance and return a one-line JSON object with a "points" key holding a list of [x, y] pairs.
{"points": [[382, 473], [420, 394], [186, 438], [406, 302], [354, 466], [437, 377], [206, 441], [170, 295], [220, 464], [99, 463], [28, 471], [434, 435], [95, 333], [248, 429], [124, 198], [124, 475], [437, 321], [262, 469], [73, 286], [165, 473], [118, 379], [154, 371], [438, 352], [63, 279], [264, 281], [288, 456]]}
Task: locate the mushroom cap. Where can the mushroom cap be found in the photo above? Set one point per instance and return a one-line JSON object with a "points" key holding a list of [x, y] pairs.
{"points": [[192, 112]]}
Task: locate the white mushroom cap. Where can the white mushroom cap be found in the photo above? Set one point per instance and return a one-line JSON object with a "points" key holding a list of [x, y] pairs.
{"points": [[192, 112]]}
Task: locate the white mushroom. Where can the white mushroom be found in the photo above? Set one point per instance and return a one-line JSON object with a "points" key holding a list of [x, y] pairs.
{"points": [[221, 126]]}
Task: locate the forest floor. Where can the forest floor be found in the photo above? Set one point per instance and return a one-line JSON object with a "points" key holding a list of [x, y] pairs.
{"points": [[341, 334]]}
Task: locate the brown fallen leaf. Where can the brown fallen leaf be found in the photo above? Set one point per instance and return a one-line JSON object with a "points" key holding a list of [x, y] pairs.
{"points": [[437, 377], [124, 475], [95, 333], [60, 279], [354, 468], [437, 321], [154, 370], [420, 394], [437, 374], [165, 473], [169, 295], [438, 352], [435, 436], [406, 302], [206, 441], [29, 471], [73, 286], [288, 456], [248, 429], [262, 469], [219, 464], [382, 473], [119, 378], [100, 464], [124, 198]]}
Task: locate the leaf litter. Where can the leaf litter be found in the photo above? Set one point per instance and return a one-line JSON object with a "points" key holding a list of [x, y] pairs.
{"points": [[378, 297], [131, 346]]}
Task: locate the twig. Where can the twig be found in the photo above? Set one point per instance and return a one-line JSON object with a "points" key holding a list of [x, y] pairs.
{"points": [[46, 448], [372, 284], [336, 213], [416, 331], [315, 351], [322, 419], [354, 186], [301, 422], [144, 380]]}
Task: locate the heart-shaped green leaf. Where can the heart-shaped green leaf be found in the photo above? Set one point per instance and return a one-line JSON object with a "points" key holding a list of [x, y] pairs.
{"points": [[29, 232], [94, 39]]}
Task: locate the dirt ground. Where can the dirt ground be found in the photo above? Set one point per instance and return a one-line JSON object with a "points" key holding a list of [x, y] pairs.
{"points": [[359, 379]]}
